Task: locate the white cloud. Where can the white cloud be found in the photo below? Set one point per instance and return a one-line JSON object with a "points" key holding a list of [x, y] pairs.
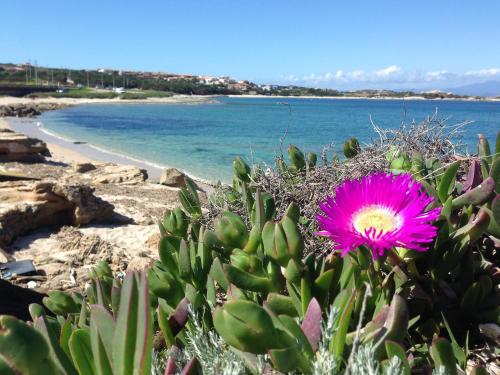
{"points": [[438, 75], [388, 72], [392, 76], [484, 72]]}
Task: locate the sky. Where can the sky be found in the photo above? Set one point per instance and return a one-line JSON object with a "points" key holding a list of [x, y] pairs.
{"points": [[427, 44]]}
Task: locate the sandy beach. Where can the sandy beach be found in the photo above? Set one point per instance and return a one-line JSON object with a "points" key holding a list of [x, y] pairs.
{"points": [[10, 100], [128, 239], [72, 151]]}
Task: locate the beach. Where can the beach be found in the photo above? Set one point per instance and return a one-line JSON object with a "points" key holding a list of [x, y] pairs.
{"points": [[176, 99], [63, 254], [72, 151]]}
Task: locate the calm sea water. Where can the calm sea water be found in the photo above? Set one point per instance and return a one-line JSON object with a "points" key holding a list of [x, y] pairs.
{"points": [[203, 139]]}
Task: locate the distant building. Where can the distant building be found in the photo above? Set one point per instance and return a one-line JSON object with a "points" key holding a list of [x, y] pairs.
{"points": [[238, 86]]}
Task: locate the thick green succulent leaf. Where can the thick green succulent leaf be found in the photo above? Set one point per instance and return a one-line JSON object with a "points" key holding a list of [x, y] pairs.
{"points": [[447, 183], [217, 273], [81, 352], [5, 368], [312, 159], [254, 240], [168, 247], [231, 230], [66, 330], [165, 327], [246, 326], [477, 196], [125, 336], [495, 174], [497, 147], [176, 223], [280, 304], [184, 262], [189, 198], [296, 157], [102, 331], [59, 357], [345, 304], [258, 211], [442, 354], [36, 310], [351, 148], [301, 342], [311, 325], [394, 349], [241, 169], [60, 303], [144, 336], [246, 280], [484, 149], [23, 349], [293, 212]]}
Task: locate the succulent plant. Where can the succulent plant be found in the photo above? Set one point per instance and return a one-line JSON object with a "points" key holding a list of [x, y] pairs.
{"points": [[253, 289]]}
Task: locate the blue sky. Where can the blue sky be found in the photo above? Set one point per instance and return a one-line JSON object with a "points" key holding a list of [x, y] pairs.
{"points": [[348, 44]]}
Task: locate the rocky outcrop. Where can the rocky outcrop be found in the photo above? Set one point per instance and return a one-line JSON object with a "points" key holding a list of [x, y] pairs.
{"points": [[28, 205], [83, 167], [173, 177], [19, 110], [118, 174], [28, 110], [19, 147]]}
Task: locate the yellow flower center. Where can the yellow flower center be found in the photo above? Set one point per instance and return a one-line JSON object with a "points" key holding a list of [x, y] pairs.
{"points": [[378, 217]]}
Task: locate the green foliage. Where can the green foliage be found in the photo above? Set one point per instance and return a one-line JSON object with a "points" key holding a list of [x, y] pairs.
{"points": [[257, 301]]}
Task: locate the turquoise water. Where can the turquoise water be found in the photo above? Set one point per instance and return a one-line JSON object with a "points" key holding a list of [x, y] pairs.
{"points": [[203, 139]]}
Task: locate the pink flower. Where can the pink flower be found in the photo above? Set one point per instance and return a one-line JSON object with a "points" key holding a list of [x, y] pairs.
{"points": [[380, 211]]}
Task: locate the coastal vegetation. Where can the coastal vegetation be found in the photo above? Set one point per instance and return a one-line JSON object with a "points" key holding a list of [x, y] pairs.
{"points": [[315, 265], [49, 80]]}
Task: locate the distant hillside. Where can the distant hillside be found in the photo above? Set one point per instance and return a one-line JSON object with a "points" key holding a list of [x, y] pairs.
{"points": [[24, 79], [489, 88]]}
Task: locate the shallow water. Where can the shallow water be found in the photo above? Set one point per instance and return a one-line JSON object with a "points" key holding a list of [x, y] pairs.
{"points": [[203, 139]]}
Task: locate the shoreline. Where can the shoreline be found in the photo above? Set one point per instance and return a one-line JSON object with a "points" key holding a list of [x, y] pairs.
{"points": [[66, 150], [177, 99], [469, 99]]}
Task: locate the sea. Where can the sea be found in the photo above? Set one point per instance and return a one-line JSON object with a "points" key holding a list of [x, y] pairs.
{"points": [[202, 139]]}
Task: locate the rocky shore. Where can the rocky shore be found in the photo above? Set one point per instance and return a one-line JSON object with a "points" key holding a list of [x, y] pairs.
{"points": [[67, 213], [28, 110]]}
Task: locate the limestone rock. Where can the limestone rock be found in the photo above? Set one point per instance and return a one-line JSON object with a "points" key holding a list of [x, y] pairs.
{"points": [[83, 167], [28, 205], [19, 147], [28, 110], [173, 177], [19, 110], [119, 174]]}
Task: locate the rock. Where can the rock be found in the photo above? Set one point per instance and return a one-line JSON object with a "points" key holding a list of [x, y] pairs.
{"points": [[173, 177], [28, 110], [4, 256], [138, 264], [154, 241], [19, 147], [119, 174], [19, 110], [28, 205], [83, 167]]}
